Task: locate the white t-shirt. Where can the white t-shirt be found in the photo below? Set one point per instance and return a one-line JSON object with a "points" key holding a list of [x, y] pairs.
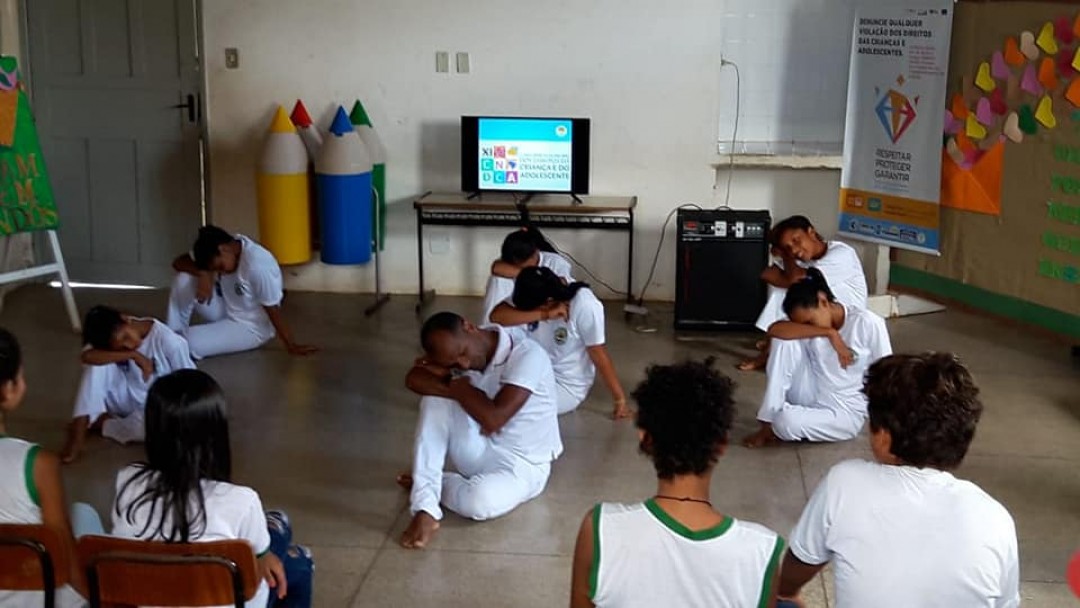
{"points": [[232, 512], [867, 336], [902, 537], [501, 289], [533, 432], [255, 284], [20, 504], [167, 349], [844, 272], [644, 557], [566, 342]]}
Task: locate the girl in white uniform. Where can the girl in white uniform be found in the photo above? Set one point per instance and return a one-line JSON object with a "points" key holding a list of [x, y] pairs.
{"points": [[184, 491], [813, 389], [31, 491], [676, 549], [234, 284], [800, 247], [521, 249], [122, 356], [903, 531], [575, 343]]}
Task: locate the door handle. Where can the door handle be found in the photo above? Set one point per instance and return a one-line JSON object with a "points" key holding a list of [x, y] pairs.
{"points": [[190, 105]]}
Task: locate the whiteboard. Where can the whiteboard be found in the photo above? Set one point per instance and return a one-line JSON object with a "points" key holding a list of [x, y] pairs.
{"points": [[793, 58]]}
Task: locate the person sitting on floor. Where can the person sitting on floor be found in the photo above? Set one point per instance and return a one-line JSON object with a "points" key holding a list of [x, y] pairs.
{"points": [[487, 407], [575, 344], [525, 248], [800, 246], [816, 365], [31, 489], [234, 284], [903, 531], [184, 493], [122, 356], [676, 548]]}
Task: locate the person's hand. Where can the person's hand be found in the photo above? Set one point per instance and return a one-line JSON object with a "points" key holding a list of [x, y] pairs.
{"points": [[846, 356], [145, 364], [301, 350], [621, 411], [459, 385], [204, 291], [273, 572], [556, 311], [435, 370]]}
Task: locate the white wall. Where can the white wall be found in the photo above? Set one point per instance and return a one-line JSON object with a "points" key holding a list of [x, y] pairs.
{"points": [[645, 72]]}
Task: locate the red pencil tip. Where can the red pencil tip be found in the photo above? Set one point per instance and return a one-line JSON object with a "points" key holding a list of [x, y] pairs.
{"points": [[300, 116]]}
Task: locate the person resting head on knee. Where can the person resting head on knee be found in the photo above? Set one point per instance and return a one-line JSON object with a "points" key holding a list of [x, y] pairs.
{"points": [[902, 530], [644, 554], [816, 365], [122, 355], [525, 248]]}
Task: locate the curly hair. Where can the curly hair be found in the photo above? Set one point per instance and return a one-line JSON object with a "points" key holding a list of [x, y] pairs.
{"points": [[928, 403], [686, 411]]}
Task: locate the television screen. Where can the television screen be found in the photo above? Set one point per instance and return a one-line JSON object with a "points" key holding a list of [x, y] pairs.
{"points": [[524, 154]]}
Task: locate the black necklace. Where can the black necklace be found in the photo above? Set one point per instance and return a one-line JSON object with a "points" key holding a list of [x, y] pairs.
{"points": [[684, 499]]}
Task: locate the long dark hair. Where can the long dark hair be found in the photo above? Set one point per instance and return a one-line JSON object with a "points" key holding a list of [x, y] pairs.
{"points": [[521, 245], [535, 286], [804, 294], [10, 357], [187, 441], [100, 324]]}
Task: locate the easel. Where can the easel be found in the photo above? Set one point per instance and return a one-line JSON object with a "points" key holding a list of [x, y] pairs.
{"points": [[57, 267], [380, 297]]}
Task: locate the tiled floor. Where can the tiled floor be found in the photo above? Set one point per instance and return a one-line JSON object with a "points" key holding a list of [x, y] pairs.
{"points": [[324, 437]]}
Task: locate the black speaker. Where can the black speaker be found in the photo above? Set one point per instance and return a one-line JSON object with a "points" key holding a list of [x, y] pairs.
{"points": [[720, 255]]}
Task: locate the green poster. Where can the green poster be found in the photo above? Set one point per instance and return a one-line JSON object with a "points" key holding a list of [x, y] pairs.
{"points": [[26, 197]]}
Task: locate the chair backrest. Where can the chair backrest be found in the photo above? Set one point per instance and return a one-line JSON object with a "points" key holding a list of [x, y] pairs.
{"points": [[143, 573], [32, 558]]}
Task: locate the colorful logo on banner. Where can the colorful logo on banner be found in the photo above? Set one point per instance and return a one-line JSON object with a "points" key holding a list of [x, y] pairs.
{"points": [[896, 112]]}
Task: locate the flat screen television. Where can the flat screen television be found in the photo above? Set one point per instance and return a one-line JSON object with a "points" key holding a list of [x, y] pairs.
{"points": [[529, 155]]}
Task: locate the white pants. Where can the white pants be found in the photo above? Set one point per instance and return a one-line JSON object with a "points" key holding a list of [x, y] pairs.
{"points": [[774, 308], [489, 481], [219, 335], [567, 400], [791, 402], [107, 389]]}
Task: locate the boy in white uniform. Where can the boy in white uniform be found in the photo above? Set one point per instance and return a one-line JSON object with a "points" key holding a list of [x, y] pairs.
{"points": [[902, 531], [122, 356], [813, 389], [519, 251], [800, 247], [576, 344], [488, 407], [234, 284], [676, 549]]}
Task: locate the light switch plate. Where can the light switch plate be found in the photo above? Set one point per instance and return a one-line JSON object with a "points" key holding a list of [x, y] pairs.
{"points": [[442, 62], [232, 58], [462, 63]]}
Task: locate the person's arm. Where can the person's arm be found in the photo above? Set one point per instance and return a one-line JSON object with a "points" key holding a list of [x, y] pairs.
{"points": [[54, 510], [606, 368], [184, 263], [205, 289], [794, 575], [584, 552], [784, 277], [508, 316], [283, 332], [96, 356], [428, 381], [491, 414], [790, 330], [503, 269]]}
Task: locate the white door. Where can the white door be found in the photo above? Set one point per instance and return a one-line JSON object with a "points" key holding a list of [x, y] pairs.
{"points": [[116, 92]]}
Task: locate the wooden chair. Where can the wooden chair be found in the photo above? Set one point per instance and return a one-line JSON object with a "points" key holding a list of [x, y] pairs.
{"points": [[33, 558], [123, 572]]}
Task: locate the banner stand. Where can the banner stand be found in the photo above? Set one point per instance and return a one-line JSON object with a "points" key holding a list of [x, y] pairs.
{"points": [[58, 268]]}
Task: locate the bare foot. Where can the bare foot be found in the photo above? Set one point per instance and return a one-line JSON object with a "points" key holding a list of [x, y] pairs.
{"points": [[753, 365], [76, 437], [405, 481], [761, 344], [764, 437], [420, 531]]}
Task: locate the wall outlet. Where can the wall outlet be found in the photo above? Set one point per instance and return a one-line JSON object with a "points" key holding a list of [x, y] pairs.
{"points": [[232, 58], [462, 63], [442, 62]]}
